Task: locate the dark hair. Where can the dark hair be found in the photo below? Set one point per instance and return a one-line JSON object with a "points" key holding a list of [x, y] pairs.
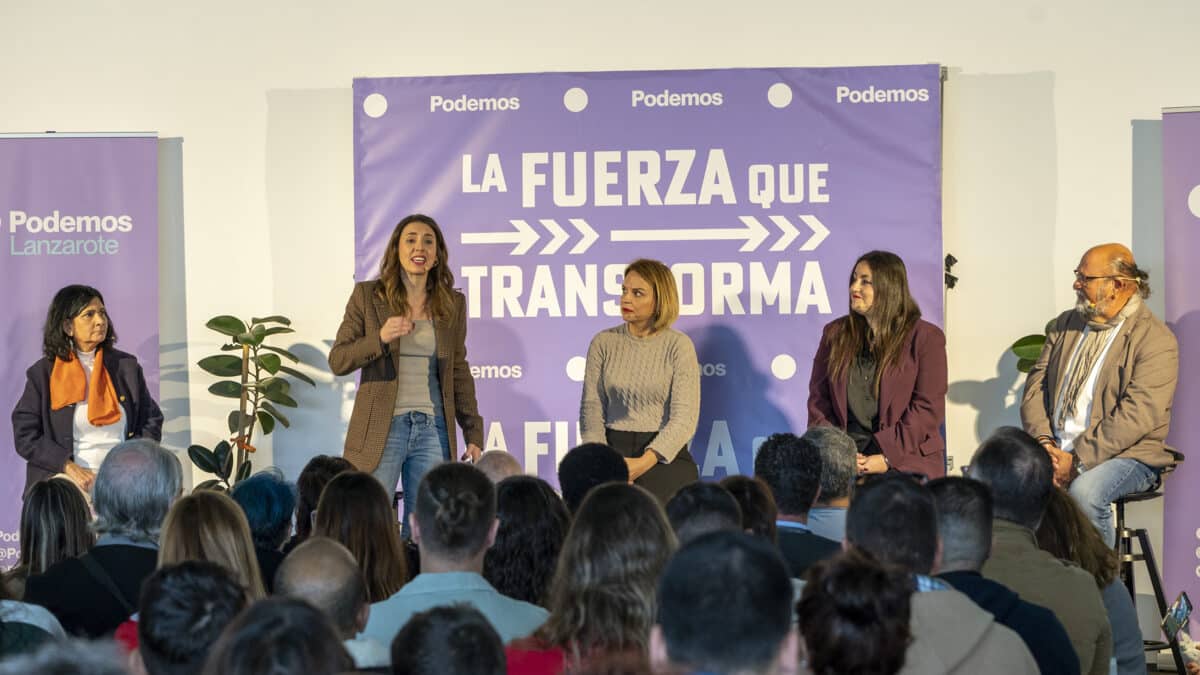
{"points": [[356, 511], [455, 509], [182, 611], [268, 501], [754, 497], [312, 481], [791, 467], [1019, 472], [1129, 270], [439, 283], [68, 302], [533, 525], [854, 615], [586, 466], [964, 512], [448, 640], [699, 508], [1067, 533], [839, 465], [279, 635], [725, 603], [54, 525], [897, 312], [893, 518]]}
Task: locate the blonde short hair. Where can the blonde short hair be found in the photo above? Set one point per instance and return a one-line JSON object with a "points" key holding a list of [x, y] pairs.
{"points": [[666, 294]]}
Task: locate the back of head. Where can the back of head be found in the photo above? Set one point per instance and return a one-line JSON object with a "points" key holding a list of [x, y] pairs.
{"points": [[134, 487], [754, 497], [839, 462], [894, 519], [209, 525], [586, 466], [312, 481], [1019, 473], [533, 525], [268, 501], [455, 510], [854, 615], [699, 508], [55, 524], [964, 514], [68, 657], [498, 465], [325, 574], [1065, 532], [602, 595], [182, 611], [791, 467], [725, 603], [356, 511], [279, 635], [451, 640]]}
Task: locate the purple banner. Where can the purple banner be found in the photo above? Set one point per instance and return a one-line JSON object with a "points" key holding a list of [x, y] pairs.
{"points": [[1181, 240], [73, 210], [758, 187]]}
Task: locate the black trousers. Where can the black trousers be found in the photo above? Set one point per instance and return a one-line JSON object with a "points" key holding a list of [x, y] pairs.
{"points": [[663, 480]]}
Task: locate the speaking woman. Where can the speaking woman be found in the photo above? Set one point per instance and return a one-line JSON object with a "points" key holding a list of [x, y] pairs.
{"points": [[407, 332], [83, 397], [880, 373], [641, 387]]}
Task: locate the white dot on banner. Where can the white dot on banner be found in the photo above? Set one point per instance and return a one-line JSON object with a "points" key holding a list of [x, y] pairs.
{"points": [[1198, 571], [1194, 201], [575, 367], [575, 99], [779, 95], [375, 105], [783, 367], [1198, 532]]}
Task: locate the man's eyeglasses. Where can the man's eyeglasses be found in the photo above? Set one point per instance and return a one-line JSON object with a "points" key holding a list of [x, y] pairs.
{"points": [[1085, 279]]}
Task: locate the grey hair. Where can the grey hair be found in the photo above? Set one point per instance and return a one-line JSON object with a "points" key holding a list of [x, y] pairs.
{"points": [[1131, 272], [79, 657], [839, 465], [134, 489]]}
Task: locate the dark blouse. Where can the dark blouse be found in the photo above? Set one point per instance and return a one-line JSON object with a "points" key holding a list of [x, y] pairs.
{"points": [[862, 404]]}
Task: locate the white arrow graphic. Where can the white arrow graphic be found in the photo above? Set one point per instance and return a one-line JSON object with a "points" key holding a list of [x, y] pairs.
{"points": [[558, 236], [789, 233], [589, 235], [754, 233], [819, 232], [524, 237]]}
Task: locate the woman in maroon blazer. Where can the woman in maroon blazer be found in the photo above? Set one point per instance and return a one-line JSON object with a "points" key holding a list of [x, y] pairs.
{"points": [[880, 373]]}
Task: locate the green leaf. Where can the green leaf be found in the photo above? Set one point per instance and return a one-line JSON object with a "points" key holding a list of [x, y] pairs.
{"points": [[266, 421], [221, 365], [297, 374], [226, 388], [231, 347], [281, 398], [276, 384], [1029, 347], [277, 330], [243, 472], [233, 421], [266, 405], [227, 325], [268, 362], [282, 352], [274, 318], [203, 458], [249, 338], [1024, 365], [211, 484], [223, 452]]}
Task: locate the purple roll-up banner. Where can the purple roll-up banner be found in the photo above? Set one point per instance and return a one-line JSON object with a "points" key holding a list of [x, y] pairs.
{"points": [[74, 209], [1181, 241], [759, 187]]}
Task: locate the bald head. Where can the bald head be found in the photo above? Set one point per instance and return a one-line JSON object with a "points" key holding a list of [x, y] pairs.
{"points": [[498, 465], [1106, 278], [324, 573]]}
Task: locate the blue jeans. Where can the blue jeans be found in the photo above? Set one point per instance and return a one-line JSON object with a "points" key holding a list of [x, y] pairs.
{"points": [[1096, 489], [415, 444]]}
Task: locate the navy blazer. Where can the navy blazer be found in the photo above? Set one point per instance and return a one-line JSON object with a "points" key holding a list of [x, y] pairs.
{"points": [[912, 400], [46, 438]]}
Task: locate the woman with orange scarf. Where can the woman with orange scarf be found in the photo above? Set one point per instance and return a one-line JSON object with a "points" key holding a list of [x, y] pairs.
{"points": [[72, 412]]}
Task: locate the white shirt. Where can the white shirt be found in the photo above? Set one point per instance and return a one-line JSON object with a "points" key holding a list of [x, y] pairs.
{"points": [[92, 443], [1079, 423]]}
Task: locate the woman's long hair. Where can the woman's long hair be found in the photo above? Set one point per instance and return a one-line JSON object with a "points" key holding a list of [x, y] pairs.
{"points": [[602, 598], [533, 525], [895, 310], [356, 511], [209, 525], [68, 302], [1065, 532], [312, 481], [55, 521], [439, 283]]}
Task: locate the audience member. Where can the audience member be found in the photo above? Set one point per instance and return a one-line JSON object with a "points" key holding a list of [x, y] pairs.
{"points": [[894, 519], [965, 528], [498, 465], [1067, 533], [586, 466], [209, 525], [754, 498], [324, 573], [55, 525], [839, 471], [268, 502], [602, 598], [699, 508], [279, 635], [724, 606], [356, 511], [533, 524], [854, 615], [791, 467], [68, 657], [1020, 475], [312, 481], [453, 523], [449, 640], [182, 611], [92, 594], [24, 627]]}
